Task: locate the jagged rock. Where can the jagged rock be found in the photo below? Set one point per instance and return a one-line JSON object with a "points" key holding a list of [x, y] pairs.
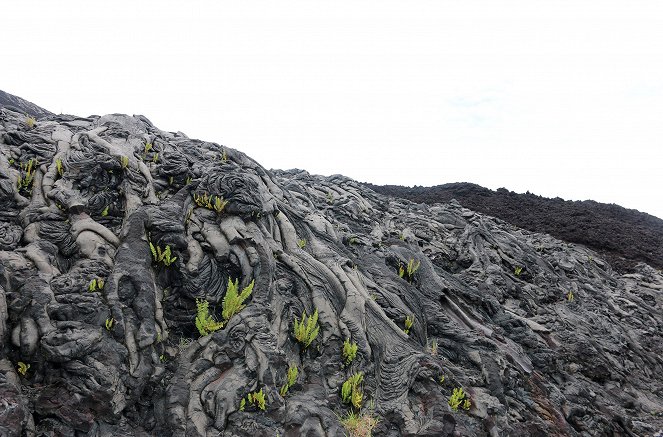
{"points": [[543, 336]]}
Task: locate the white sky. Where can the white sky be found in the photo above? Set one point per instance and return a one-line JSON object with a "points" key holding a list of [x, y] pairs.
{"points": [[561, 98]]}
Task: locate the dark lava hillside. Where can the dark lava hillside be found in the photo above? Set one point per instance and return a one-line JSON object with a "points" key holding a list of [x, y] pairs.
{"points": [[156, 285], [21, 105], [622, 236]]}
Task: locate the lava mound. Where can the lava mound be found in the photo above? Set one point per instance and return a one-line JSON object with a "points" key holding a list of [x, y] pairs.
{"points": [[152, 284]]}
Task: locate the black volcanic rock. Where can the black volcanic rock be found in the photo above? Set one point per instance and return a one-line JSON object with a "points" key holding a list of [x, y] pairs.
{"points": [[544, 336], [624, 237], [21, 105]]}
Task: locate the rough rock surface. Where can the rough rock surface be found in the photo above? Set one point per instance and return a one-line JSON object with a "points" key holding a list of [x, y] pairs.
{"points": [[493, 297], [624, 237], [21, 105]]}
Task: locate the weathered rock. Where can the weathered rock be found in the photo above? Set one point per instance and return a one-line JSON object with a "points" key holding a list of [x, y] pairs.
{"points": [[543, 336]]}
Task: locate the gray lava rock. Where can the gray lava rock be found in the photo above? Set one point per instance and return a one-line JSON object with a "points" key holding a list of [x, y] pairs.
{"points": [[542, 336]]}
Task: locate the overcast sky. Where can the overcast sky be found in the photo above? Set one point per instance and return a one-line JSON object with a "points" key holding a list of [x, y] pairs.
{"points": [[561, 98]]}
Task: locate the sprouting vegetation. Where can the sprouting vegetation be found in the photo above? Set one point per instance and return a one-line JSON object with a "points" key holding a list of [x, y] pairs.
{"points": [[409, 321], [459, 399], [433, 347], [301, 243], [58, 166], [256, 398], [205, 323], [104, 213], [148, 147], [22, 368], [518, 270], [359, 424], [307, 329], [351, 392], [293, 372], [569, 296], [215, 203], [349, 351], [233, 302], [163, 256], [109, 323], [96, 284], [124, 161], [26, 175], [30, 121], [409, 271]]}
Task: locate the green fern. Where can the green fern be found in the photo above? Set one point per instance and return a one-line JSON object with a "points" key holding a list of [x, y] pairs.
{"points": [[410, 270], [351, 392], [23, 368], [307, 329], [349, 351], [205, 323], [459, 399], [293, 372], [233, 302], [409, 321], [256, 398], [163, 256]]}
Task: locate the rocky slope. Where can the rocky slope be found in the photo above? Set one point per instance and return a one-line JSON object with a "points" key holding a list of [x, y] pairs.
{"points": [[21, 105], [543, 336], [624, 237]]}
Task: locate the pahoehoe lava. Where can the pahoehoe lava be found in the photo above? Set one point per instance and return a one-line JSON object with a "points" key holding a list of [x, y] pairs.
{"points": [[99, 339]]}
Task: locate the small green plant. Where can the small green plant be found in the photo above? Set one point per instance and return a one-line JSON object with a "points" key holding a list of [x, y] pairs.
{"points": [[307, 329], [458, 399], [184, 343], [402, 238], [353, 240], [124, 161], [518, 270], [23, 368], [26, 177], [170, 180], [104, 213], [410, 270], [233, 302], [330, 197], [162, 256], [351, 392], [224, 156], [205, 323], [148, 147], [433, 347], [162, 358], [215, 203], [109, 323], [569, 296], [293, 372], [442, 378], [359, 424], [188, 180], [30, 121], [58, 166], [95, 284], [155, 158], [301, 243], [256, 398], [409, 321], [349, 351]]}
